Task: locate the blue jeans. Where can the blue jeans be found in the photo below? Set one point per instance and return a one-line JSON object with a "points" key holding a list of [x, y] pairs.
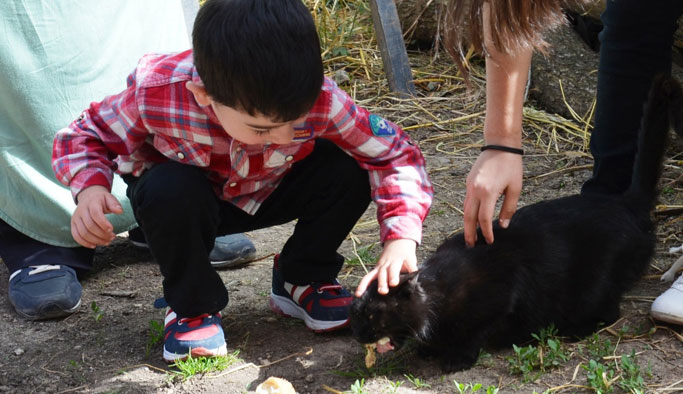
{"points": [[635, 46], [181, 215]]}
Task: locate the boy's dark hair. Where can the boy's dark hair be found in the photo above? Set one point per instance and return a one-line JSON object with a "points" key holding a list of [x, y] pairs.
{"points": [[259, 56]]}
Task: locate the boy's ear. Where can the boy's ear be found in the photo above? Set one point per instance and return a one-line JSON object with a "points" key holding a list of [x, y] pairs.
{"points": [[199, 92]]}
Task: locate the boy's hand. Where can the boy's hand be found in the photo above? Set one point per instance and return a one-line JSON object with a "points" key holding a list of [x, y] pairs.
{"points": [[398, 255], [89, 226], [492, 175]]}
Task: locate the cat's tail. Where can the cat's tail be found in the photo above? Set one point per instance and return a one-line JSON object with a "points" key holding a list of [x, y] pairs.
{"points": [[664, 109]]}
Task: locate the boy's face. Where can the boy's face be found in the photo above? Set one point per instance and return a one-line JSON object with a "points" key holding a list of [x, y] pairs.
{"points": [[248, 129], [254, 130]]}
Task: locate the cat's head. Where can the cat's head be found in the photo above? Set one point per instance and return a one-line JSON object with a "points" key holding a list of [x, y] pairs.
{"points": [[401, 314]]}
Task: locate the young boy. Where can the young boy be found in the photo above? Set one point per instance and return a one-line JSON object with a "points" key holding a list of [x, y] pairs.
{"points": [[241, 133]]}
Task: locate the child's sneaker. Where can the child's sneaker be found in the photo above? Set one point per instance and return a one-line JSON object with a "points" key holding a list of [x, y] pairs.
{"points": [[668, 306], [322, 306], [200, 336]]}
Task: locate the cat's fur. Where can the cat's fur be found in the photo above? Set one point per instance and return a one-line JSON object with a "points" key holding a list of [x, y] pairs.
{"points": [[565, 262]]}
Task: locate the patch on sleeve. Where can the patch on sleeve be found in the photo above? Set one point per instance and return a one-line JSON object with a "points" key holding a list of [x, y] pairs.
{"points": [[380, 127], [303, 133]]}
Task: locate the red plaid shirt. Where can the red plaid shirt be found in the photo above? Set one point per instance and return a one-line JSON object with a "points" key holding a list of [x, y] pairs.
{"points": [[157, 119]]}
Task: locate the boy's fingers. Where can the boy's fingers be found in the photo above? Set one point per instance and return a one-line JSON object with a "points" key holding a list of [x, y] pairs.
{"points": [[77, 229], [382, 287], [113, 205], [97, 219], [363, 285], [394, 274]]}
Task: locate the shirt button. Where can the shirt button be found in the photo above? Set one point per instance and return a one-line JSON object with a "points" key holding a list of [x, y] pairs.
{"points": [[233, 184], [81, 117], [289, 158], [181, 156]]}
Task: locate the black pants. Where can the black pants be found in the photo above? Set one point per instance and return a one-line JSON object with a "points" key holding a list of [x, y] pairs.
{"points": [[19, 251], [181, 216], [636, 43]]}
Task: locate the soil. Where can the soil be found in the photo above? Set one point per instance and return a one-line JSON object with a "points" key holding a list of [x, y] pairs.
{"points": [[105, 349]]}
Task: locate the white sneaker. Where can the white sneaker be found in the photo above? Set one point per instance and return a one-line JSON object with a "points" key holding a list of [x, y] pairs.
{"points": [[668, 307]]}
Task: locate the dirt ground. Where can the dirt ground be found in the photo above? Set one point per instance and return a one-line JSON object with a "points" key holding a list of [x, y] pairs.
{"points": [[104, 349]]}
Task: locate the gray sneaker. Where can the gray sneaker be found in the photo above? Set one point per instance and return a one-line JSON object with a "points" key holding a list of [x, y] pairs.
{"points": [[231, 251], [228, 251], [44, 291]]}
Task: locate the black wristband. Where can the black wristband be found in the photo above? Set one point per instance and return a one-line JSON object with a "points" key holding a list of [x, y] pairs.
{"points": [[516, 151]]}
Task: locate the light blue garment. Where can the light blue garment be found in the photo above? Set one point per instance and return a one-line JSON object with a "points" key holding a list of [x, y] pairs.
{"points": [[57, 56]]}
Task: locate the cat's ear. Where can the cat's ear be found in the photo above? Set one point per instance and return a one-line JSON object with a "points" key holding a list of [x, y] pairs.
{"points": [[409, 285]]}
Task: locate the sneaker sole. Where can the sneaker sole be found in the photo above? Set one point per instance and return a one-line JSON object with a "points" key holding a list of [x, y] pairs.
{"points": [[170, 357], [52, 314], [286, 307], [666, 317]]}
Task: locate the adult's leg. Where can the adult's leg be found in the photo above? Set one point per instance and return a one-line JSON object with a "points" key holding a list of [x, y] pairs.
{"points": [[636, 43], [43, 282]]}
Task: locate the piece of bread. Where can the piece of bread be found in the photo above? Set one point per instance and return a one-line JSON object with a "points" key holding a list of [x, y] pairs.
{"points": [[274, 385]]}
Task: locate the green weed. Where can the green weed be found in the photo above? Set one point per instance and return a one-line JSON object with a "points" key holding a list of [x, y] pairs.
{"points": [[469, 388], [202, 365], [357, 387], [532, 361], [97, 312], [154, 336], [417, 382]]}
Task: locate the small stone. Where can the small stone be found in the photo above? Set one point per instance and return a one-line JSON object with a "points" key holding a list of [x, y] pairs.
{"points": [[309, 378], [18, 351]]}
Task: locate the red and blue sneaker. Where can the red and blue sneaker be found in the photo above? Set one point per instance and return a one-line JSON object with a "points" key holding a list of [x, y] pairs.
{"points": [[200, 336], [322, 306]]}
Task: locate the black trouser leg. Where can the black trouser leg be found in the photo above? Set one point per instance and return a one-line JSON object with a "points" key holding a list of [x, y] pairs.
{"points": [[635, 46], [176, 208], [20, 251]]}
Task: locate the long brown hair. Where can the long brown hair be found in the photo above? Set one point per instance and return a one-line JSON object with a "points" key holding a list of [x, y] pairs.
{"points": [[514, 24]]}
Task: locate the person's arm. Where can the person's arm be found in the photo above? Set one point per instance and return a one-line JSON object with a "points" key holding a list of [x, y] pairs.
{"points": [[497, 173], [399, 183]]}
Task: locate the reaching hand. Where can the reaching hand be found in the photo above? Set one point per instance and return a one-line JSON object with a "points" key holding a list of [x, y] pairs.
{"points": [[494, 174], [89, 226], [398, 255]]}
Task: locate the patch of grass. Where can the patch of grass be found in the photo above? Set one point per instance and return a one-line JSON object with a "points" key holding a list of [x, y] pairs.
{"points": [[365, 255], [203, 365], [154, 336], [596, 348], [97, 312], [393, 386], [532, 361], [599, 377], [469, 388], [625, 374], [631, 379], [384, 367], [417, 382], [357, 387]]}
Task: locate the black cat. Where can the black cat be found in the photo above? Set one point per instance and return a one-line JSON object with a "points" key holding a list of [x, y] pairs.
{"points": [[565, 262]]}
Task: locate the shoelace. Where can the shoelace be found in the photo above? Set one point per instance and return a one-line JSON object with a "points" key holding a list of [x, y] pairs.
{"points": [[329, 286], [193, 321], [37, 269]]}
